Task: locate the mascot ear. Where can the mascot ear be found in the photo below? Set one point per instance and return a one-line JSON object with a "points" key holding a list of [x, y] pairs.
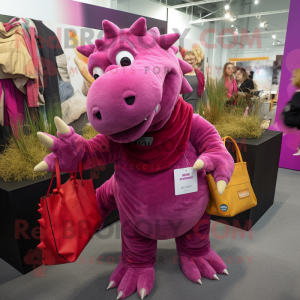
{"points": [[86, 50]]}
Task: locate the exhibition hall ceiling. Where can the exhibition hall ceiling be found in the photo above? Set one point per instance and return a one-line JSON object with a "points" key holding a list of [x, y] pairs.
{"points": [[216, 9]]}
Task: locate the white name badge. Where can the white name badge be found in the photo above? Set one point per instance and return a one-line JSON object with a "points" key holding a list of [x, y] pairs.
{"points": [[185, 181]]}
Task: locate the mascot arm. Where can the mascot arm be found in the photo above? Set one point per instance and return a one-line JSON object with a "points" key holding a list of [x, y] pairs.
{"points": [[213, 155], [70, 148]]}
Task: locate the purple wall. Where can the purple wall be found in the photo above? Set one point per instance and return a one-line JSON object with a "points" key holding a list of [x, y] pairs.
{"points": [[291, 61]]}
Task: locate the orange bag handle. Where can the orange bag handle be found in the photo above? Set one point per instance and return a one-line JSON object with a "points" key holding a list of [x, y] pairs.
{"points": [[237, 149]]}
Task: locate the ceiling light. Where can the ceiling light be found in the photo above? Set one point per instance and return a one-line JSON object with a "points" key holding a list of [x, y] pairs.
{"points": [[256, 2], [236, 30], [262, 24], [232, 25], [231, 19], [274, 36], [226, 7], [227, 16], [273, 43], [278, 43]]}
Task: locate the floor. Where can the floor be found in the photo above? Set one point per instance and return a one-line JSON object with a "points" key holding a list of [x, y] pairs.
{"points": [[263, 264]]}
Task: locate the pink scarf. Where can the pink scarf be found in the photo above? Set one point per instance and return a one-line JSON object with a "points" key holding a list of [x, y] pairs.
{"points": [[232, 88]]}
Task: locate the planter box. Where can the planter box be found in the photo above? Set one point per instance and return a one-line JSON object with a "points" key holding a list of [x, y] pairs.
{"points": [[262, 157], [19, 228]]}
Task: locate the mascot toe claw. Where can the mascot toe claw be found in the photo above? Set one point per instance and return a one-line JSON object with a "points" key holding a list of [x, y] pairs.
{"points": [[143, 293], [193, 267], [128, 280], [120, 295], [110, 285]]}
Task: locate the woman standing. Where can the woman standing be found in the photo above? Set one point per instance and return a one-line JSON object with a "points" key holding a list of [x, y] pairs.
{"points": [[195, 79], [245, 84], [230, 83]]}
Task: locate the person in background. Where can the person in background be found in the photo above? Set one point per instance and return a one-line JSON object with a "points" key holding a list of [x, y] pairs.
{"points": [[291, 113], [196, 81], [251, 73], [245, 84], [235, 69], [230, 83], [198, 52]]}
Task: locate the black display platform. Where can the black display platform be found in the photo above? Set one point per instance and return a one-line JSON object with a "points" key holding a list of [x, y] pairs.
{"points": [[19, 228], [262, 157]]}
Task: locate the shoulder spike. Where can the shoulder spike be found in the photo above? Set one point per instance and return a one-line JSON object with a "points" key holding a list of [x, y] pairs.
{"points": [[167, 40], [185, 87]]}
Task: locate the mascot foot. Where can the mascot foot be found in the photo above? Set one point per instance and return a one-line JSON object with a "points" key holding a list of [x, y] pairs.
{"points": [[128, 280], [193, 267]]}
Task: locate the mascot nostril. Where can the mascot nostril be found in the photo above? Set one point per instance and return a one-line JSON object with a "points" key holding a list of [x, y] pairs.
{"points": [[130, 100], [98, 115]]}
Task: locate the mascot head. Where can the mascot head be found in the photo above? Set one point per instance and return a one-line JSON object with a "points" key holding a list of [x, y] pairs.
{"points": [[138, 80]]}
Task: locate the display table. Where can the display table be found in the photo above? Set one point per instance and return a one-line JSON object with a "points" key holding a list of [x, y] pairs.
{"points": [[262, 157], [19, 227]]}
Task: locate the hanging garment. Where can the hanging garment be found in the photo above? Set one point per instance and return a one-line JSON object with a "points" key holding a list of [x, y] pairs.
{"points": [[50, 48], [13, 103], [14, 56], [62, 66], [32, 86]]}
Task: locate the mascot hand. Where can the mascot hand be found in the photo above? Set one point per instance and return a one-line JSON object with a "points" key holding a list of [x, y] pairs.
{"points": [[68, 148], [221, 185]]}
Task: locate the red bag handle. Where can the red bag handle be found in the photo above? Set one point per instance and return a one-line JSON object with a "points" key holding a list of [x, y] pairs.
{"points": [[58, 181]]}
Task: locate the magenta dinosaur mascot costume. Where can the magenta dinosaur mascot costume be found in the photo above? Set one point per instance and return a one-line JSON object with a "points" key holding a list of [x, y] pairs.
{"points": [[148, 131]]}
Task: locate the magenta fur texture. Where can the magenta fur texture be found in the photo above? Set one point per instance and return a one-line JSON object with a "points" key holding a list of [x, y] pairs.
{"points": [[139, 79]]}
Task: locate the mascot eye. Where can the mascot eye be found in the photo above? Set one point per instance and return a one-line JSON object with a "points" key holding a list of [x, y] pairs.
{"points": [[97, 72], [124, 58]]}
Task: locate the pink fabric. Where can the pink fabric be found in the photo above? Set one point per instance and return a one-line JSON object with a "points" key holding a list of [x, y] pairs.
{"points": [[201, 81], [169, 143], [232, 88], [13, 103]]}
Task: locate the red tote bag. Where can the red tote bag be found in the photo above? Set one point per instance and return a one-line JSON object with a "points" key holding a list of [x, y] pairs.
{"points": [[69, 218]]}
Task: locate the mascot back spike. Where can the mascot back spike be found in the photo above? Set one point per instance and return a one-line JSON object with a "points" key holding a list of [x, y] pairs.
{"points": [[153, 137]]}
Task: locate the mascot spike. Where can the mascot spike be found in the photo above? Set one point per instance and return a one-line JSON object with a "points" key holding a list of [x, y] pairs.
{"points": [[167, 40], [40, 210], [99, 43], [41, 246], [185, 88], [185, 67], [86, 50], [139, 27], [42, 222], [155, 32], [110, 29], [175, 49]]}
